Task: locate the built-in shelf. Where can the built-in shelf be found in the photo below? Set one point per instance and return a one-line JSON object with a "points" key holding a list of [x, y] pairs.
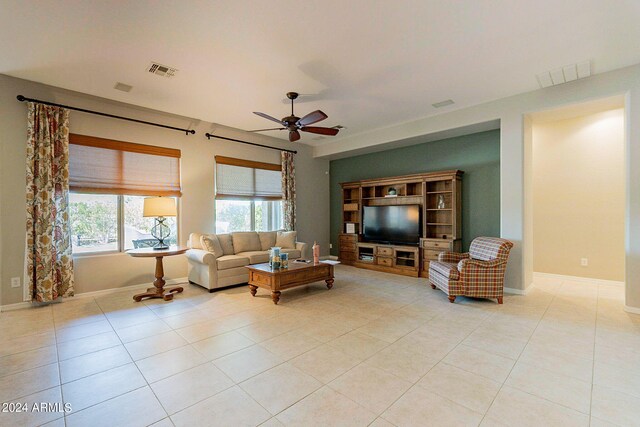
{"points": [[439, 196]]}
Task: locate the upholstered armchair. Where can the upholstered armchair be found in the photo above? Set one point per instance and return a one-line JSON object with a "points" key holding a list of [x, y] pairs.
{"points": [[479, 273]]}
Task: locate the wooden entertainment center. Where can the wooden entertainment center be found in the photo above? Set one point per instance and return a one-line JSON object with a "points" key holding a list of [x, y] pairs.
{"points": [[439, 196]]}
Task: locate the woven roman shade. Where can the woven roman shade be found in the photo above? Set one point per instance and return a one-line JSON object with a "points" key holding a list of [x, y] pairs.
{"points": [[98, 165], [247, 180]]}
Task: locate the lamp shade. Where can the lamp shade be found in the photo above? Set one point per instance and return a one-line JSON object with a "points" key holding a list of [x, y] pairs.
{"points": [[159, 206]]}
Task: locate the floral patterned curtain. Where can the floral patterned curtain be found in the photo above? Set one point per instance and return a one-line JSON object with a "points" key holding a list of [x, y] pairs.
{"points": [[48, 260], [288, 191]]}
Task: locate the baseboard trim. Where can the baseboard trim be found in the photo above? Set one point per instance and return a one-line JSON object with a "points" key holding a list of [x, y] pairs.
{"points": [[577, 279], [27, 304], [15, 306], [129, 288], [515, 291], [633, 310]]}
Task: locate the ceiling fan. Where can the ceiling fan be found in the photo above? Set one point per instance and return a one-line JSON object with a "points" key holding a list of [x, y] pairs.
{"points": [[294, 124]]}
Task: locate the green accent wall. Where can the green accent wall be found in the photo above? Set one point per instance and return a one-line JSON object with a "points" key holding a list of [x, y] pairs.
{"points": [[478, 155]]}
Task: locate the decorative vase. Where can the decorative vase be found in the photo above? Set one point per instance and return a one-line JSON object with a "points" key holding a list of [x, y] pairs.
{"points": [[274, 255], [441, 204], [316, 253], [284, 260], [392, 192]]}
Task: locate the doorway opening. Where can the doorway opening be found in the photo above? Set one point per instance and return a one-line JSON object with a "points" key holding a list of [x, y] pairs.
{"points": [[575, 195]]}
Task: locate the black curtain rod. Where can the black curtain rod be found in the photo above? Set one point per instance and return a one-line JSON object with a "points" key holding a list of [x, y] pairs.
{"points": [[209, 136], [113, 116]]}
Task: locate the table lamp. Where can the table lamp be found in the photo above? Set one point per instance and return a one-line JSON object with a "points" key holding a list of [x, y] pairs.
{"points": [[160, 208]]}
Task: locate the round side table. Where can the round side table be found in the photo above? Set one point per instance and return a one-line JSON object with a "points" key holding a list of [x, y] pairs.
{"points": [[158, 291]]}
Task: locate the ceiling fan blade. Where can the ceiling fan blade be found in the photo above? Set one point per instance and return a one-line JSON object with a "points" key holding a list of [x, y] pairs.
{"points": [[294, 135], [313, 117], [263, 130], [268, 117], [320, 130]]}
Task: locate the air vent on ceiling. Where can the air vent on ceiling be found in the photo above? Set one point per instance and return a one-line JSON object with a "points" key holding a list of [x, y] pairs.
{"points": [[162, 70], [565, 74], [443, 103], [123, 87]]}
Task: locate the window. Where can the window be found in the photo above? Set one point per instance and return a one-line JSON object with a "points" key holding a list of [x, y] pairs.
{"points": [[248, 195], [248, 215], [94, 222], [137, 229], [99, 220], [109, 181]]}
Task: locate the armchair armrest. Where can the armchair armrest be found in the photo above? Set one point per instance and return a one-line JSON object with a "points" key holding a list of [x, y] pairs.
{"points": [[302, 247], [469, 264], [201, 256], [452, 257]]}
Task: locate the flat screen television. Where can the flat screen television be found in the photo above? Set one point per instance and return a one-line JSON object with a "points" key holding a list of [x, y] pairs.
{"points": [[398, 224]]}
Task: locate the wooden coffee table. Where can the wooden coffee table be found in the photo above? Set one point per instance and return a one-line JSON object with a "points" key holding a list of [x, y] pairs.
{"points": [[297, 274]]}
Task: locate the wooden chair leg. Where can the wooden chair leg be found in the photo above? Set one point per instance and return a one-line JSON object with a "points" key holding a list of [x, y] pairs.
{"points": [[499, 300], [452, 298]]}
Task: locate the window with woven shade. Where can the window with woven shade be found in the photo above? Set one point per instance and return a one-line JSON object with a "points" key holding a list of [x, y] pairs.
{"points": [[247, 180], [108, 182], [98, 165], [248, 195]]}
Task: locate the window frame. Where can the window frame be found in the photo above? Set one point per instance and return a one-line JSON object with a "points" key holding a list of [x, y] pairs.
{"points": [[252, 212], [251, 164], [120, 225]]}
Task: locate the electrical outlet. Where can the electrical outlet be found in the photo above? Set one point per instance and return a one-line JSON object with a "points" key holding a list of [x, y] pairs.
{"points": [[15, 282], [330, 245], [584, 262]]}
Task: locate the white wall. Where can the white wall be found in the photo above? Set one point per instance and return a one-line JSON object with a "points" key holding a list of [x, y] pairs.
{"points": [[511, 112], [579, 195], [197, 168]]}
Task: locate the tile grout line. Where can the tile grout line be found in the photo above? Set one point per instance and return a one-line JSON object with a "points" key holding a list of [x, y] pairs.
{"points": [[415, 383], [55, 337], [593, 364], [520, 355], [132, 361]]}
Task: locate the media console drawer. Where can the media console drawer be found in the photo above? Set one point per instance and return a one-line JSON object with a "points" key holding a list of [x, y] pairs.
{"points": [[384, 251], [385, 261], [443, 245]]}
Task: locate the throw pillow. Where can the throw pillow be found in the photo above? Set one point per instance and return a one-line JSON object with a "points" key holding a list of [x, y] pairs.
{"points": [[267, 239], [245, 241], [210, 243], [227, 243], [286, 239]]}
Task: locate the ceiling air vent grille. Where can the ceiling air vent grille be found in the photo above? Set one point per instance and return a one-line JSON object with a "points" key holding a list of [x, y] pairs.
{"points": [[161, 70]]}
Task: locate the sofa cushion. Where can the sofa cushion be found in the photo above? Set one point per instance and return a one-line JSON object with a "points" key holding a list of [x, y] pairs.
{"points": [[231, 261], [255, 257], [293, 253], [245, 241], [194, 241], [209, 242], [448, 270], [286, 239], [267, 239], [227, 243], [234, 272]]}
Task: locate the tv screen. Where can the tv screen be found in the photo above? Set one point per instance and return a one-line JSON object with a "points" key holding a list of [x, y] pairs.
{"points": [[393, 224]]}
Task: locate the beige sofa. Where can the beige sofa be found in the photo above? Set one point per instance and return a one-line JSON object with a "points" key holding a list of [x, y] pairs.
{"points": [[216, 261]]}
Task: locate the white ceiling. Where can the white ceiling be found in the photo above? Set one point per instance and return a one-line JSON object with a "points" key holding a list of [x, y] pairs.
{"points": [[367, 64]]}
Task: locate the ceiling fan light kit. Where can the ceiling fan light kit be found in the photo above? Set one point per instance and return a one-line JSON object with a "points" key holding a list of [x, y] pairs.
{"points": [[295, 124]]}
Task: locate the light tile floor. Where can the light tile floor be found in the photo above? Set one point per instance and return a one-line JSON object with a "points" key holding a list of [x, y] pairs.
{"points": [[377, 349]]}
